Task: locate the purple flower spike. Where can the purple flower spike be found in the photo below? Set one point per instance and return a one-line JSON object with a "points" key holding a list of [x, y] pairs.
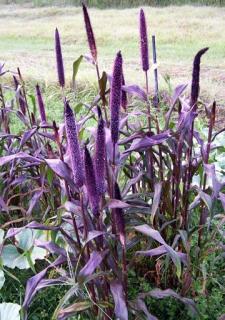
{"points": [[124, 95], [91, 183], [41, 104], [59, 59], [144, 41], [115, 97], [195, 78], [100, 155], [73, 146], [22, 103], [90, 33]]}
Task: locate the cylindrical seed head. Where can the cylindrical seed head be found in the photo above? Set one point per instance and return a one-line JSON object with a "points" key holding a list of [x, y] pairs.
{"points": [[144, 41], [73, 146], [59, 59], [115, 97]]}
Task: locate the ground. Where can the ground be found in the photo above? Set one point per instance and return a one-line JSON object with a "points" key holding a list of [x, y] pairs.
{"points": [[27, 41]]}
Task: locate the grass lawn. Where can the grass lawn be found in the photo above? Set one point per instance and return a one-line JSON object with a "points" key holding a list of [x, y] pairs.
{"points": [[27, 41]]}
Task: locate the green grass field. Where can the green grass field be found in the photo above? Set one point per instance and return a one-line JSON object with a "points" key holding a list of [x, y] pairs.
{"points": [[27, 41]]}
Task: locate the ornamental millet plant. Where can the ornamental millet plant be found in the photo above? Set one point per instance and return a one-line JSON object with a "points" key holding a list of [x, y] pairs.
{"points": [[150, 218]]}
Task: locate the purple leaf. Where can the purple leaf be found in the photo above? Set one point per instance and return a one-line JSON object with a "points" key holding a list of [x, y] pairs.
{"points": [[160, 294], [119, 300], [61, 169], [145, 229], [136, 90], [222, 199], [89, 59], [32, 225], [140, 305], [131, 182], [93, 234], [31, 286], [115, 203], [33, 201], [146, 142], [51, 247], [19, 155], [177, 93], [71, 310], [93, 262], [161, 250], [210, 171], [27, 135], [33, 282], [156, 199]]}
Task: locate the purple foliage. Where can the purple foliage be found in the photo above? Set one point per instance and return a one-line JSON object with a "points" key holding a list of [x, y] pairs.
{"points": [[144, 41], [73, 146], [59, 59], [115, 97], [91, 243], [119, 217]]}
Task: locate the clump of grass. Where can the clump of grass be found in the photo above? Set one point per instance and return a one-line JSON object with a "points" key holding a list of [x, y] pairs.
{"points": [[113, 197]]}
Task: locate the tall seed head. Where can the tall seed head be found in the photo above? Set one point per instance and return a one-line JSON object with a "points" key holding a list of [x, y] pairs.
{"points": [[115, 97], [100, 156], [90, 33], [73, 146], [144, 41], [59, 59], [90, 182], [40, 104], [195, 78]]}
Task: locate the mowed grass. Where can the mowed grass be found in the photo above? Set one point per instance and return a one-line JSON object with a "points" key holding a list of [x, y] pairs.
{"points": [[27, 41]]}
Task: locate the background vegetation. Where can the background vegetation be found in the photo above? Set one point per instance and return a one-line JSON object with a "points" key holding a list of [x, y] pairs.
{"points": [[118, 3]]}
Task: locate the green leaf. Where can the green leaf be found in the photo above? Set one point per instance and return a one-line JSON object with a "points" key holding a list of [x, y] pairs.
{"points": [[9, 311], [102, 86], [2, 279], [50, 176], [11, 258], [76, 65], [25, 239], [33, 101], [78, 107]]}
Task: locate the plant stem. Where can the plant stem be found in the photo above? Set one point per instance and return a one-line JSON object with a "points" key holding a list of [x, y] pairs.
{"points": [[103, 102]]}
